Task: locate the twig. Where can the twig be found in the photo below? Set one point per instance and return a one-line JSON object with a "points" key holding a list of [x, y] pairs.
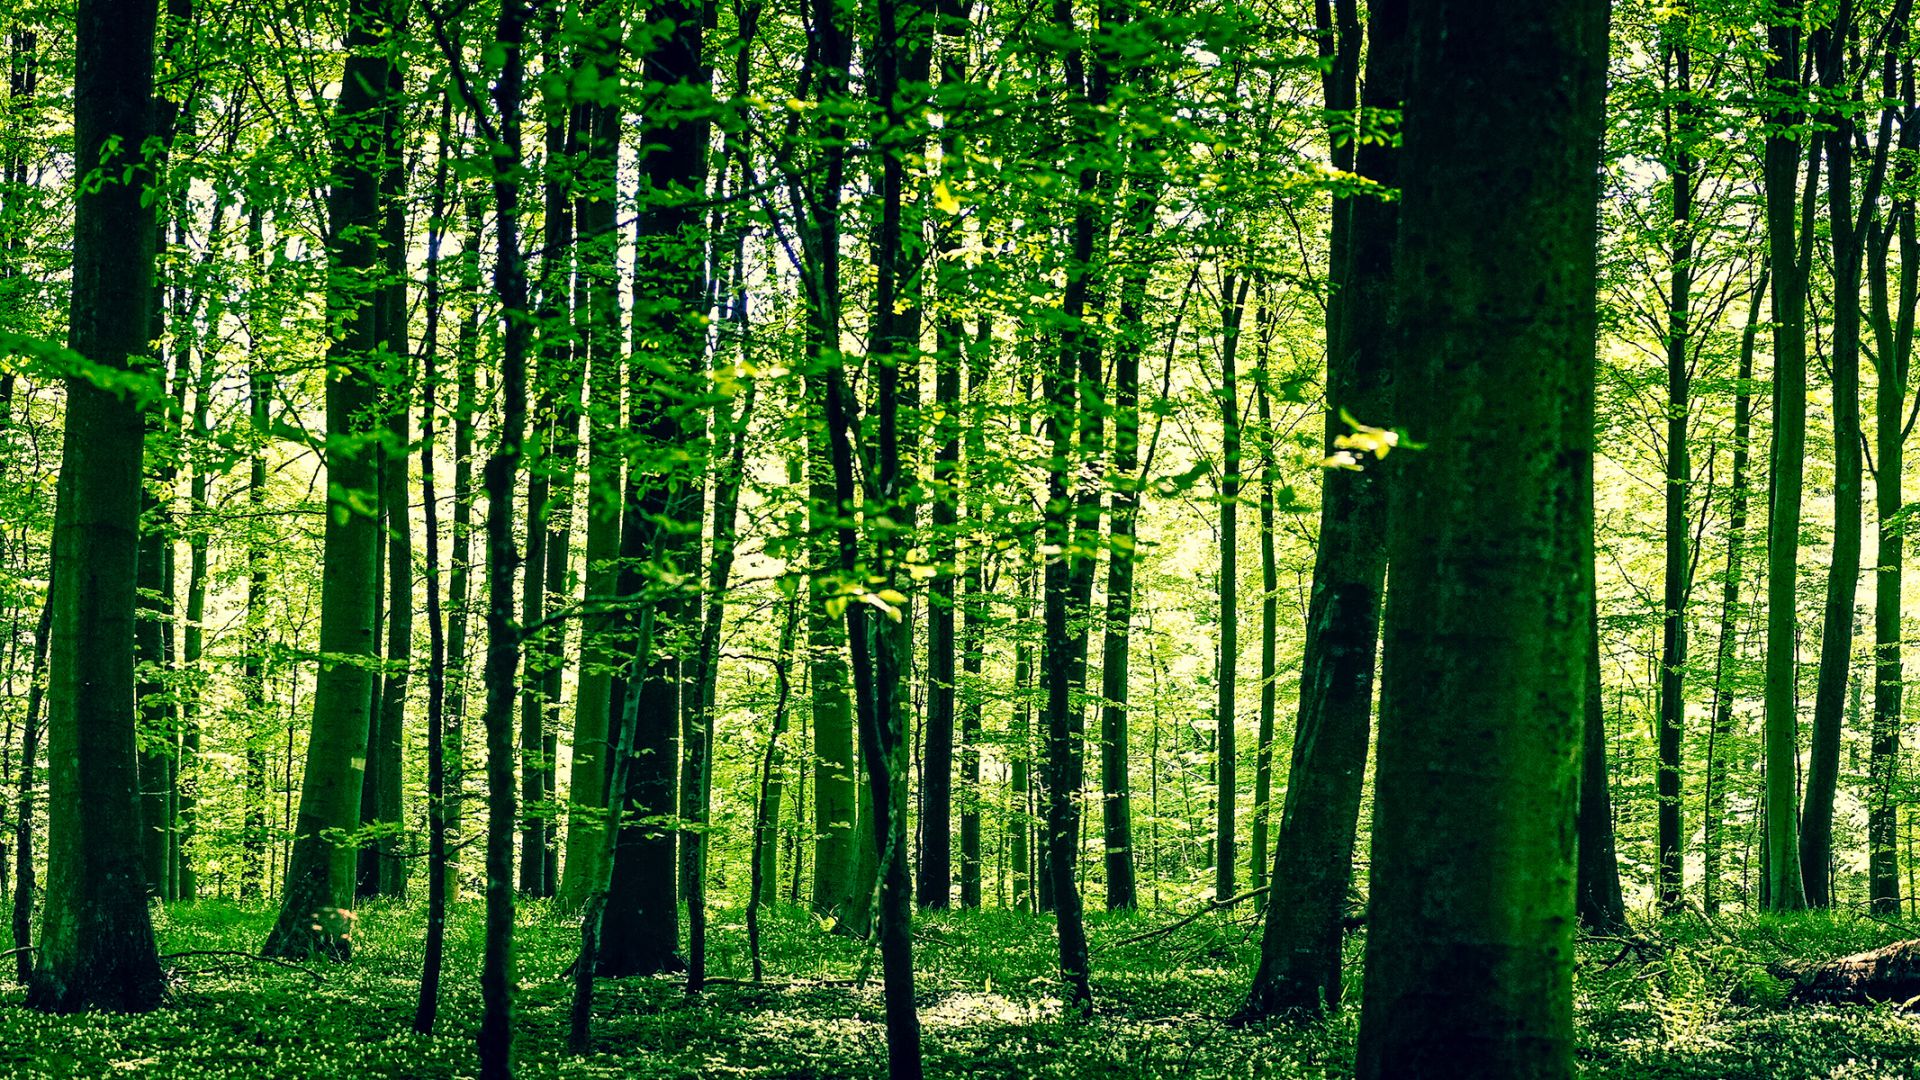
{"points": [[1216, 905]]}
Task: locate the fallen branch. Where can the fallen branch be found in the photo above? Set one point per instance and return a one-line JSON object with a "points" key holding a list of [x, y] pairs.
{"points": [[1213, 906], [239, 954]]}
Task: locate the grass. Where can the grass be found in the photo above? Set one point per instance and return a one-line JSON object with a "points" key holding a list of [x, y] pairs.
{"points": [[1700, 1006]]}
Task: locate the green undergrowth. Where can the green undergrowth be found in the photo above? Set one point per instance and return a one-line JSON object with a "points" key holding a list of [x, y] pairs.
{"points": [[1694, 1000]]}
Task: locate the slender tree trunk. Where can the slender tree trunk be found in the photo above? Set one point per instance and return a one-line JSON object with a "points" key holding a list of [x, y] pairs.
{"points": [[1893, 334], [1233, 298], [460, 559], [1669, 863], [1116, 643], [1019, 780], [1269, 616], [836, 827], [1300, 948], [1843, 574], [880, 652], [1598, 902], [1781, 179], [545, 522], [504, 637], [1469, 965], [23, 875], [1714, 799], [594, 212], [1075, 430], [434, 951]]}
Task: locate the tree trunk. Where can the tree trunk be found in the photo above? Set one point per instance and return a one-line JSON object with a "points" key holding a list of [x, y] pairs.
{"points": [[1598, 902], [644, 933], [96, 941], [1669, 859], [434, 951], [1233, 298], [1843, 575], [1469, 966], [594, 211], [319, 876], [1715, 797], [460, 559], [1300, 948], [1781, 178], [23, 876], [1116, 644], [496, 1039], [1269, 618], [1893, 337]]}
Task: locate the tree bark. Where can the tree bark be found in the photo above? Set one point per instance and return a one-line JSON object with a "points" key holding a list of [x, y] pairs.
{"points": [[1714, 799], [1313, 851], [1843, 572], [319, 876], [96, 941], [1893, 339], [1669, 859], [1469, 959], [1780, 183], [594, 218]]}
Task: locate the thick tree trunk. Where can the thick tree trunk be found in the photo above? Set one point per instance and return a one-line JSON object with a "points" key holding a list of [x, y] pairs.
{"points": [[643, 934], [96, 941], [1469, 968], [319, 877]]}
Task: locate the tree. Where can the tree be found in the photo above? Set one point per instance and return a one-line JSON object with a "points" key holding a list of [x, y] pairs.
{"points": [[1892, 320], [1781, 176], [1848, 233], [319, 877], [96, 941], [1678, 577], [1313, 852], [1469, 949]]}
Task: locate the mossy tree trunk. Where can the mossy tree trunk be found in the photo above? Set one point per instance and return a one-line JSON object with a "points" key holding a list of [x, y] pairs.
{"points": [[96, 943], [1469, 965]]}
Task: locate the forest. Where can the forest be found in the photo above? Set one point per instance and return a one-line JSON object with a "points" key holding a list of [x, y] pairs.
{"points": [[974, 538]]}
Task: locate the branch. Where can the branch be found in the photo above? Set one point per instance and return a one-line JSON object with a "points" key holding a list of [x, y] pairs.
{"points": [[317, 977], [1216, 905]]}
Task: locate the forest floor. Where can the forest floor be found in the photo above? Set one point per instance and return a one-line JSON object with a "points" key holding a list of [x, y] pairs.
{"points": [[1698, 1005]]}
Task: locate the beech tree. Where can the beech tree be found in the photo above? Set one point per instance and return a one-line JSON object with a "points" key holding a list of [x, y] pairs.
{"points": [[1495, 350], [96, 939]]}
